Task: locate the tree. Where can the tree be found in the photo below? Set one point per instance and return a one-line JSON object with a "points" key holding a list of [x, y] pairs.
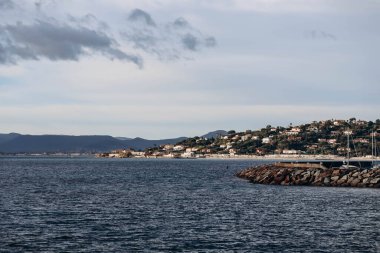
{"points": [[231, 132]]}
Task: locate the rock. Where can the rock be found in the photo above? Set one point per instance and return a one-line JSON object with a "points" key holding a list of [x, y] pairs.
{"points": [[317, 180], [356, 174], [336, 172], [340, 181], [366, 175], [355, 182], [279, 178], [306, 177], [271, 174]]}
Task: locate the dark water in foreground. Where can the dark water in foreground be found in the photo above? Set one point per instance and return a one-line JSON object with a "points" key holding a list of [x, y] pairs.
{"points": [[93, 205]]}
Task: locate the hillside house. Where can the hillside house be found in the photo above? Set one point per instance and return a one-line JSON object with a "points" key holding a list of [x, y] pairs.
{"points": [[266, 140]]}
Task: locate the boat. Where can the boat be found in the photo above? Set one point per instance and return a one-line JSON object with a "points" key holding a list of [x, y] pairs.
{"points": [[374, 152], [346, 163]]}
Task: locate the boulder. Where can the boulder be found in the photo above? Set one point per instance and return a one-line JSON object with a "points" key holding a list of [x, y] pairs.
{"points": [[355, 174], [279, 178], [355, 182], [340, 182], [306, 177], [366, 175], [271, 174], [336, 172]]}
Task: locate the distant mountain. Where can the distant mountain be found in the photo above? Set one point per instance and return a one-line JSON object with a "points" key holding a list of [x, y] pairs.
{"points": [[8, 137], [215, 134], [59, 143], [17, 143]]}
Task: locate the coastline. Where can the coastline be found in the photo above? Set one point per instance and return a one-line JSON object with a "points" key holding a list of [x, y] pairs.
{"points": [[288, 158]]}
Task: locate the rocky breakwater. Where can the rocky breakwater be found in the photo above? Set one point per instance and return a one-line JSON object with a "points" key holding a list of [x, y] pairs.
{"points": [[312, 175]]}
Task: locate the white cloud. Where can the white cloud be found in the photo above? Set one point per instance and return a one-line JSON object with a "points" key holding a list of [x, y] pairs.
{"points": [[263, 71]]}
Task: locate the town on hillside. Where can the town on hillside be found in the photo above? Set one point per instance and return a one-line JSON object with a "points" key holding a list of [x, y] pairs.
{"points": [[329, 138]]}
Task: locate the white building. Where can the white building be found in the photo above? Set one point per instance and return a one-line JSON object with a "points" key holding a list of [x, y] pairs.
{"points": [[232, 151], [291, 151], [266, 140], [188, 155], [191, 149], [178, 148], [246, 137], [138, 153], [168, 147]]}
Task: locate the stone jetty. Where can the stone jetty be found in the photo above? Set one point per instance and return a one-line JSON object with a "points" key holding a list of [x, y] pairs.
{"points": [[311, 175]]}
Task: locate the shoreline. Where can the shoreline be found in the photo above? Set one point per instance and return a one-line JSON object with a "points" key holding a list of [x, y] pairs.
{"points": [[211, 157]]}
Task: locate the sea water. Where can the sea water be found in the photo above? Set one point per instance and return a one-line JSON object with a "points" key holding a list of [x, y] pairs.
{"points": [[136, 205]]}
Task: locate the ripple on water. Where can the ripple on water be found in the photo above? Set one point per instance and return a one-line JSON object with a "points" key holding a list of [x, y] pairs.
{"points": [[95, 205]]}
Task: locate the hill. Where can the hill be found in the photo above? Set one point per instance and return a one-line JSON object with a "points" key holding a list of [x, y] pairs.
{"points": [[215, 134], [17, 143], [328, 137]]}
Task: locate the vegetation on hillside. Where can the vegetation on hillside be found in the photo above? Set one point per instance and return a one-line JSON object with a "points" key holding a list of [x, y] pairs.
{"points": [[324, 137]]}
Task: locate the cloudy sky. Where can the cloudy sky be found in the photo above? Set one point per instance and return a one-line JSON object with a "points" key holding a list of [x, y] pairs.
{"points": [[168, 68]]}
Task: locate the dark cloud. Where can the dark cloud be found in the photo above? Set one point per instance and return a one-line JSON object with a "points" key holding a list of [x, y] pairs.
{"points": [[9, 52], [56, 42], [6, 4], [138, 15], [172, 40], [120, 55], [181, 22], [190, 42], [74, 37]]}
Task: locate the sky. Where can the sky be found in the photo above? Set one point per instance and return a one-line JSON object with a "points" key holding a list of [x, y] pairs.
{"points": [[168, 68]]}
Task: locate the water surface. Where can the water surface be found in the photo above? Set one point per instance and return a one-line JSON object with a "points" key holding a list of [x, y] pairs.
{"points": [[98, 205]]}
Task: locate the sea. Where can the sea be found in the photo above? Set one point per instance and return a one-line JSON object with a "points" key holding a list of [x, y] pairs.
{"points": [[156, 205]]}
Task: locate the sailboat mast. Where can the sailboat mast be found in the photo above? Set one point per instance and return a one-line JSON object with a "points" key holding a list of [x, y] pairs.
{"points": [[373, 142], [348, 149]]}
